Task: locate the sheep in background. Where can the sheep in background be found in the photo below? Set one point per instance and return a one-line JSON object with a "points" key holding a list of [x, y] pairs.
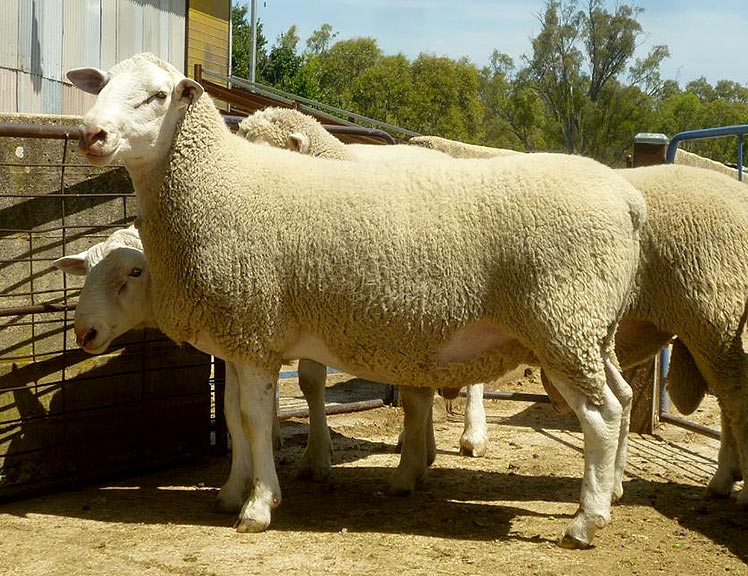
{"points": [[457, 149], [693, 283], [116, 297], [426, 274], [294, 130]]}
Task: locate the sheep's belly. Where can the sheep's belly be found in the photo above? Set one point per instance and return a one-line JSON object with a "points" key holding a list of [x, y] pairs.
{"points": [[472, 341], [478, 352]]}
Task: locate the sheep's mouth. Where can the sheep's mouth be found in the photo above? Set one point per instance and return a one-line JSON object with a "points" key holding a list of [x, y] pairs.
{"points": [[96, 348], [99, 158], [95, 343]]}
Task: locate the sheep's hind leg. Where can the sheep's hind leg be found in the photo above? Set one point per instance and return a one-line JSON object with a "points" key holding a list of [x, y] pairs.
{"points": [[474, 439], [728, 468], [257, 398], [623, 393], [232, 494], [316, 463], [417, 427], [430, 438], [601, 426]]}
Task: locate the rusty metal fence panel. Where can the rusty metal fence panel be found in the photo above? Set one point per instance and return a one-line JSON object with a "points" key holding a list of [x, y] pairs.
{"points": [[67, 417]]}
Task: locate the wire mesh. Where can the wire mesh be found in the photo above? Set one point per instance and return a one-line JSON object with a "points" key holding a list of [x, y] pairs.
{"points": [[67, 417]]}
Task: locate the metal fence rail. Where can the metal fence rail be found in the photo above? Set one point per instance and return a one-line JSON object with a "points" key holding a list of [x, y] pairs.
{"points": [[738, 130]]}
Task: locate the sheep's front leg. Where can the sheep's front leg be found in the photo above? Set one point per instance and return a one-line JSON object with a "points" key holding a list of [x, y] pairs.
{"points": [[417, 427], [601, 426], [316, 463], [233, 493], [474, 439], [257, 398]]}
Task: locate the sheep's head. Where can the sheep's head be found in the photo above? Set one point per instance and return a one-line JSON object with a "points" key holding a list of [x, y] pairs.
{"points": [[139, 103], [116, 294], [283, 128]]}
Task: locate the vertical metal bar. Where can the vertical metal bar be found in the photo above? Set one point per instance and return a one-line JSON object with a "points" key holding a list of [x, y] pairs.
{"points": [[740, 156], [253, 47], [63, 368], [219, 386], [664, 366]]}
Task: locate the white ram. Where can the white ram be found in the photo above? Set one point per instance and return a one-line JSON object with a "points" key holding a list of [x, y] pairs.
{"points": [[426, 274]]}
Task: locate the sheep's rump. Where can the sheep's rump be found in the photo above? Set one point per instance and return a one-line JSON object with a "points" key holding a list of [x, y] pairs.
{"points": [[524, 252]]}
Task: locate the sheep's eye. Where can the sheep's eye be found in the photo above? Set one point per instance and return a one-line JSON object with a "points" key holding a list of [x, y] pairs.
{"points": [[161, 95], [135, 272]]}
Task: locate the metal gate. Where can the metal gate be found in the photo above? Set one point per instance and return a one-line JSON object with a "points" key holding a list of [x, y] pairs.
{"points": [[67, 417]]}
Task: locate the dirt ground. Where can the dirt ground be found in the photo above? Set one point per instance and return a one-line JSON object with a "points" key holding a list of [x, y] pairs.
{"points": [[497, 515]]}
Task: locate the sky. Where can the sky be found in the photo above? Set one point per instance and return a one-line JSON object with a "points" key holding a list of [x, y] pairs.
{"points": [[705, 38]]}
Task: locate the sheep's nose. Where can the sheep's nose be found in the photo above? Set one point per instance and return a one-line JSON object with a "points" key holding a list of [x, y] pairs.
{"points": [[84, 337], [92, 138]]}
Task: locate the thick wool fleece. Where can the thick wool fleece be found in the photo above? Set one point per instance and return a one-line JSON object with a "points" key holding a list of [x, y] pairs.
{"points": [[459, 149], [693, 280], [254, 246], [274, 125]]}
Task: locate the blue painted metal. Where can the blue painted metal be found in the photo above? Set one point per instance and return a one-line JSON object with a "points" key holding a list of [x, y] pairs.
{"points": [[737, 130], [664, 366], [295, 374]]}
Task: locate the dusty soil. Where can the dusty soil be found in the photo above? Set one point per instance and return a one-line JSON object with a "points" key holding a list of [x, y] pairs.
{"points": [[498, 515]]}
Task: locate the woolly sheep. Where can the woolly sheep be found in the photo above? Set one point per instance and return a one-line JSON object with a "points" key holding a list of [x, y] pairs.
{"points": [[289, 128], [425, 274], [457, 149], [645, 327], [692, 282], [294, 130], [116, 297]]}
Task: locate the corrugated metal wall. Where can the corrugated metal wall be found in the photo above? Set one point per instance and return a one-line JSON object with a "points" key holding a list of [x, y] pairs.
{"points": [[44, 38]]}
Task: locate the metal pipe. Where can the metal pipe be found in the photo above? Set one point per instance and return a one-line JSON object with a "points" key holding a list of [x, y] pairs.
{"points": [[253, 47], [20, 130], [35, 309], [693, 426], [515, 396], [334, 409], [664, 367], [736, 130]]}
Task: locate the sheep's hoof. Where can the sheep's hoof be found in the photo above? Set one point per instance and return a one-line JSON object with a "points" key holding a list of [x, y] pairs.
{"points": [[617, 495], [716, 494], [742, 499], [225, 506], [573, 543], [319, 475], [478, 451], [244, 526]]}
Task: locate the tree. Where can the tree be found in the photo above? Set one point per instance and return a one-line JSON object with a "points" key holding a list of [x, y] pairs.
{"points": [[445, 98], [339, 67], [283, 63], [513, 113], [319, 42], [241, 43], [578, 61], [384, 90]]}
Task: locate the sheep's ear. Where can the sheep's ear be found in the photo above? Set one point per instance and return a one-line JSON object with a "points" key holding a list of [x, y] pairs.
{"points": [[90, 80], [186, 92], [75, 264], [298, 142]]}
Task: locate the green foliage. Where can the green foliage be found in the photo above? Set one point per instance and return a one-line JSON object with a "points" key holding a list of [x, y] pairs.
{"points": [[581, 89], [241, 43], [339, 67]]}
